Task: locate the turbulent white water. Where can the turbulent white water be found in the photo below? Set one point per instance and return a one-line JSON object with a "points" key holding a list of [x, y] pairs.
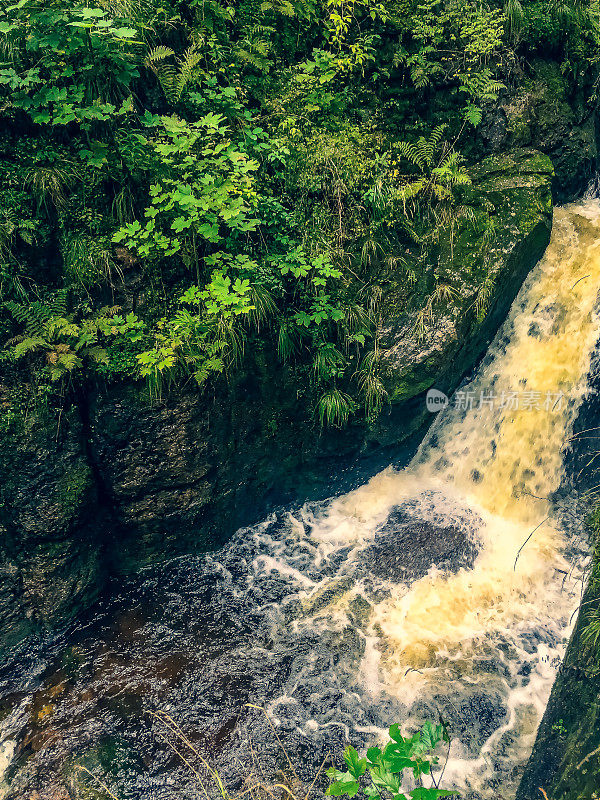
{"points": [[447, 588], [484, 631]]}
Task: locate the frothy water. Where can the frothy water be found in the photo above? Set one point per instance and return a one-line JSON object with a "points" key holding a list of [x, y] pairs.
{"points": [[443, 589]]}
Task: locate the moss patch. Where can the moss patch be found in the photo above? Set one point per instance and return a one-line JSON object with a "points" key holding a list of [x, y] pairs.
{"points": [[566, 758], [73, 487]]}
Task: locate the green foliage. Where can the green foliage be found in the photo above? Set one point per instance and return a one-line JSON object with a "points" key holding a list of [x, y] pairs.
{"points": [[87, 260], [173, 79], [202, 337], [590, 636], [206, 187], [69, 64], [484, 296], [455, 43], [334, 408], [371, 386], [439, 167], [250, 183], [384, 767], [53, 342]]}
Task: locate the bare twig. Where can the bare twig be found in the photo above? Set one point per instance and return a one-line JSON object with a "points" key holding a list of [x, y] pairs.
{"points": [[527, 539], [310, 788]]}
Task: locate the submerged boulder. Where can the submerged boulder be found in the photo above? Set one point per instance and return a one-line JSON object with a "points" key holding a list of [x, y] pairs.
{"points": [[406, 548]]}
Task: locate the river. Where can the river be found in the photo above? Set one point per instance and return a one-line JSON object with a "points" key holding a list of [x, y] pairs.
{"points": [[444, 589]]}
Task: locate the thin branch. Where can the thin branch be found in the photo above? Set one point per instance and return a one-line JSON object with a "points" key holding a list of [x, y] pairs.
{"points": [[527, 539]]}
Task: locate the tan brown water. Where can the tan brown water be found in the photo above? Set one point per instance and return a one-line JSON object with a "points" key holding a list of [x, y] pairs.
{"points": [[505, 463]]}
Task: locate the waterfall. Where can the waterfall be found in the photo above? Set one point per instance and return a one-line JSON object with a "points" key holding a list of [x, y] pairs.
{"points": [[485, 478], [498, 451]]}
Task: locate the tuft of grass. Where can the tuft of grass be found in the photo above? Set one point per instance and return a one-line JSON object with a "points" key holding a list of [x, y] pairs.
{"points": [[256, 785], [334, 408], [288, 340], [327, 362], [383, 768], [370, 384], [263, 307]]}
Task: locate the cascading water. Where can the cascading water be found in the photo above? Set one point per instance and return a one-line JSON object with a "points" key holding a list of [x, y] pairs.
{"points": [[447, 588]]}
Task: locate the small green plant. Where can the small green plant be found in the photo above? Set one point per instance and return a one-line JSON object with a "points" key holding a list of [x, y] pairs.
{"points": [[385, 768], [53, 342], [334, 408], [590, 635]]}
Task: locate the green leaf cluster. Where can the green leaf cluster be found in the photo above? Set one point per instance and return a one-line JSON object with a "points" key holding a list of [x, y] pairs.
{"points": [[252, 183], [384, 767]]}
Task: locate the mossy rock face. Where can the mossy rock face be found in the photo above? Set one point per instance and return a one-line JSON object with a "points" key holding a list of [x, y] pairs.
{"points": [[50, 527], [120, 480], [185, 472], [566, 757], [544, 116], [511, 195]]}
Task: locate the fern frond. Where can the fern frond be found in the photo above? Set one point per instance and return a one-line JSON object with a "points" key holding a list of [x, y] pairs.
{"points": [[30, 345], [187, 64], [158, 54], [97, 354], [437, 134], [61, 363], [60, 326], [35, 316], [410, 152]]}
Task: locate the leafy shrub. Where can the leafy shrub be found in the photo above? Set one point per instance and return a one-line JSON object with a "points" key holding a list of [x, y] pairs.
{"points": [[384, 768], [259, 180]]}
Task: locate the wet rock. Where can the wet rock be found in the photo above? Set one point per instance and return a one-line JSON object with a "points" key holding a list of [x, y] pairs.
{"points": [[51, 526], [481, 714], [513, 189], [327, 595], [119, 481], [494, 128], [406, 548], [566, 757], [547, 116]]}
